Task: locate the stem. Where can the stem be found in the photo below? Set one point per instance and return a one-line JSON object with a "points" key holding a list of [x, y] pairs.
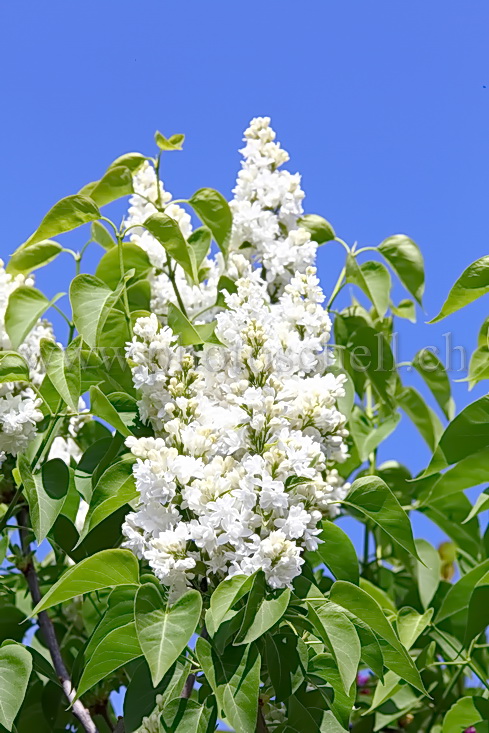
{"points": [[171, 276], [62, 313], [337, 288], [468, 662], [47, 442], [366, 249], [45, 624], [157, 171], [343, 244], [125, 299], [116, 232], [11, 508], [366, 546], [190, 681], [439, 706]]}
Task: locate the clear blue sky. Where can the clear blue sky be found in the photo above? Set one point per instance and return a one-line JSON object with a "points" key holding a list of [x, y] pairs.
{"points": [[382, 104]]}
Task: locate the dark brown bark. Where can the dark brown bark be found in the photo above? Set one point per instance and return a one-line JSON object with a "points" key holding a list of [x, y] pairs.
{"points": [[47, 629]]}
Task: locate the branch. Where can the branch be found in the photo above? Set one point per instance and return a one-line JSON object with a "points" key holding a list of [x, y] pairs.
{"points": [[261, 726], [45, 624]]}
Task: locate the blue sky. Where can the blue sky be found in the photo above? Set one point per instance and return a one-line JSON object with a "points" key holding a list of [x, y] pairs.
{"points": [[383, 106]]}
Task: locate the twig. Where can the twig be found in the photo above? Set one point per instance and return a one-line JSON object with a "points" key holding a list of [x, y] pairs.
{"points": [[261, 726], [190, 681], [45, 624]]}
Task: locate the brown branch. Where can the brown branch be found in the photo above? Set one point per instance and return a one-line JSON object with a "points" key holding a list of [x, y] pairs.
{"points": [[45, 624], [261, 726]]}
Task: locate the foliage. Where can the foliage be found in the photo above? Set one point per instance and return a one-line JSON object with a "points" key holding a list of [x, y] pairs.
{"points": [[328, 642]]}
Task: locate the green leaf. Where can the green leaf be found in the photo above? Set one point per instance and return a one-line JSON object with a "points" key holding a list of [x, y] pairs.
{"points": [[200, 241], [372, 655], [481, 505], [323, 667], [287, 658], [3, 551], [370, 354], [376, 501], [106, 569], [339, 634], [25, 306], [213, 209], [11, 621], [411, 624], [449, 513], [422, 416], [69, 213], [320, 230], [133, 161], [466, 712], [167, 232], [264, 609], [405, 309], [91, 301], [366, 436], [336, 551], [308, 715], [13, 367], [164, 632], [174, 142], [472, 284], [114, 488], [100, 235], [45, 493], [428, 574], [63, 369], [188, 333], [140, 698], [374, 279], [478, 612], [234, 677], [227, 593], [101, 406], [119, 612], [361, 604], [187, 716], [135, 258], [29, 258], [478, 366], [468, 433], [119, 647], [405, 258], [379, 595], [468, 472], [15, 670], [434, 374], [116, 182], [458, 596]]}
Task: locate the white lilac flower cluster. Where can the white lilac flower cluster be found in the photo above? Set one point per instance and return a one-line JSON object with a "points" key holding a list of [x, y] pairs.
{"points": [[266, 207], [240, 471], [151, 723], [19, 406], [147, 196]]}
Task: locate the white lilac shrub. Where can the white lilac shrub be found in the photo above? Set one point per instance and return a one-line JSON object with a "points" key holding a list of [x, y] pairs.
{"points": [[19, 405], [240, 471]]}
